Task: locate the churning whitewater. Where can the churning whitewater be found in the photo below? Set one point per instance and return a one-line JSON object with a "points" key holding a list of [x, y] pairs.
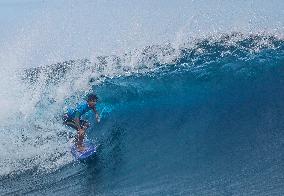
{"points": [[190, 103]]}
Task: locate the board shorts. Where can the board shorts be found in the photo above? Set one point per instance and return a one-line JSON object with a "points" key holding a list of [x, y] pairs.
{"points": [[71, 123]]}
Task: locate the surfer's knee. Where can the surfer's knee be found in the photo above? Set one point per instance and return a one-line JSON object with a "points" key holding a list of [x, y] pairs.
{"points": [[85, 124]]}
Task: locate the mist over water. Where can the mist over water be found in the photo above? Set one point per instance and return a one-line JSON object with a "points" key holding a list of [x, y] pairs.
{"points": [[46, 32], [191, 94]]}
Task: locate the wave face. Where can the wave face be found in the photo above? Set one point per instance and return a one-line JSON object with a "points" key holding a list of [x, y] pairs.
{"points": [[204, 119]]}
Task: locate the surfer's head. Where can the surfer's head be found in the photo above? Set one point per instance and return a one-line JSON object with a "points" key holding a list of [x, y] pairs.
{"points": [[92, 100]]}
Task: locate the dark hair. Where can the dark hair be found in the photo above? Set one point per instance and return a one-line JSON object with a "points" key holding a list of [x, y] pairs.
{"points": [[92, 97]]}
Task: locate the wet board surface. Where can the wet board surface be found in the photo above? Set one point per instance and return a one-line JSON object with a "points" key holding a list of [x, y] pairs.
{"points": [[90, 150]]}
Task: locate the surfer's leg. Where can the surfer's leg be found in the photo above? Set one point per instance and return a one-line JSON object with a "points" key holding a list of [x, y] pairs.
{"points": [[80, 139], [69, 122], [84, 124], [80, 133]]}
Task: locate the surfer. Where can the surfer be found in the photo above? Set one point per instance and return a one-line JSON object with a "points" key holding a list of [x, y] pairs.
{"points": [[72, 118]]}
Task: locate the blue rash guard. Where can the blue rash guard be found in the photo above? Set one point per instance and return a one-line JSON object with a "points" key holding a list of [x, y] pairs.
{"points": [[80, 110]]}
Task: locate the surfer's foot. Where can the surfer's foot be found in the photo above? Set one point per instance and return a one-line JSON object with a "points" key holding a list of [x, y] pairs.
{"points": [[80, 148]]}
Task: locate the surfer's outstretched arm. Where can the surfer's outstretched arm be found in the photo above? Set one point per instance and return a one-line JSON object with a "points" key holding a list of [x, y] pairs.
{"points": [[97, 115]]}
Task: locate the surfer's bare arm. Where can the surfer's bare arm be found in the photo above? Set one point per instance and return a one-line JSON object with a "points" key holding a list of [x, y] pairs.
{"points": [[97, 115]]}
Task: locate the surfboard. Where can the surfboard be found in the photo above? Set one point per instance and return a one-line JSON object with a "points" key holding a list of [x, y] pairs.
{"points": [[89, 151]]}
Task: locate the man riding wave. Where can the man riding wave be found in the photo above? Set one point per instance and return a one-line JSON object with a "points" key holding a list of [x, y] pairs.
{"points": [[72, 118]]}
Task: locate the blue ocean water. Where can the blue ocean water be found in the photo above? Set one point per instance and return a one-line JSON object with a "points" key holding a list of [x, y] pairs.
{"points": [[204, 119]]}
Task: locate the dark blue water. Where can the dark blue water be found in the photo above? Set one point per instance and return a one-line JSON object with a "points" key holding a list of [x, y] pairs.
{"points": [[210, 123]]}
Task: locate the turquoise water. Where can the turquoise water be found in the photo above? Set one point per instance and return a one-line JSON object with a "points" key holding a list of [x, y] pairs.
{"points": [[209, 121]]}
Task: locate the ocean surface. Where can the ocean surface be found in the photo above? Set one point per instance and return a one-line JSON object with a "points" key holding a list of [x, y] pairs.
{"points": [[207, 121], [204, 116]]}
